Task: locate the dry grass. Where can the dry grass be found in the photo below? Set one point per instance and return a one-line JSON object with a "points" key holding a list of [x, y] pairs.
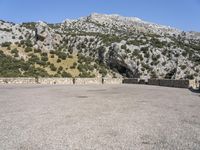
{"points": [[66, 64]]}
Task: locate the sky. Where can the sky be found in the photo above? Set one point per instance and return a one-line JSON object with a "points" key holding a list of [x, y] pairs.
{"points": [[181, 14]]}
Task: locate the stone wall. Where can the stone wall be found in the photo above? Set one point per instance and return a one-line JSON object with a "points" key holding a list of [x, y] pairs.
{"points": [[60, 81], [131, 81], [84, 81], [112, 81], [99, 81], [17, 80], [153, 82], [167, 83], [173, 83]]}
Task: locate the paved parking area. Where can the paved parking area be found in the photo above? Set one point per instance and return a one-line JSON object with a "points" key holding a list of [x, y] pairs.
{"points": [[34, 117]]}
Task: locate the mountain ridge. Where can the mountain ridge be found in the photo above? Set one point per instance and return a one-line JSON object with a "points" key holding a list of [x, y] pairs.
{"points": [[115, 45]]}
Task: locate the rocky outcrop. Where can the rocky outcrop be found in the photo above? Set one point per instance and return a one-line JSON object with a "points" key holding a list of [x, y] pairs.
{"points": [[46, 38]]}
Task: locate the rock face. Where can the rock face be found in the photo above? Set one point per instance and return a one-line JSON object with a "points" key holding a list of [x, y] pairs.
{"points": [[46, 38], [128, 46]]}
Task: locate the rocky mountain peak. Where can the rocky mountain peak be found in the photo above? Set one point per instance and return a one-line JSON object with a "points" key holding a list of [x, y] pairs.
{"points": [[112, 17]]}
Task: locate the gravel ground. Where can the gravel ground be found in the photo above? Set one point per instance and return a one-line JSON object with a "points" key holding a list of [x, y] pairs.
{"points": [[34, 117]]}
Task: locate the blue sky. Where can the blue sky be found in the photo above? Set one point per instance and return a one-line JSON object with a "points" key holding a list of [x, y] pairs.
{"points": [[182, 14]]}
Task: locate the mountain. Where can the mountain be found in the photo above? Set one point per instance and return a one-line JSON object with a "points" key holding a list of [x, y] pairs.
{"points": [[99, 45]]}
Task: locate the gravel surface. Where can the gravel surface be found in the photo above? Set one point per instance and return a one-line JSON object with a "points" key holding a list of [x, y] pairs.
{"points": [[34, 117]]}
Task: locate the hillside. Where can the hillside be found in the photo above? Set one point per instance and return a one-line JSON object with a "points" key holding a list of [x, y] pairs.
{"points": [[98, 45]]}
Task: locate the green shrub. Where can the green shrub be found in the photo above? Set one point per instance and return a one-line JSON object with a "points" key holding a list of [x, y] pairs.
{"points": [[73, 66], [58, 60], [156, 43], [37, 50], [164, 63], [61, 55], [60, 68], [28, 49], [28, 43], [6, 44], [20, 37], [66, 75], [123, 47], [52, 52], [184, 53], [103, 71], [14, 51], [70, 56], [44, 58], [86, 75], [10, 67], [183, 67], [70, 51], [52, 67]]}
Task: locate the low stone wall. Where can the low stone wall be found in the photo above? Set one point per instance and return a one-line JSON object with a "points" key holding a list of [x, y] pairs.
{"points": [[153, 82], [99, 81], [84, 81], [131, 81], [173, 83], [61, 81], [182, 83], [112, 81], [17, 80], [167, 83]]}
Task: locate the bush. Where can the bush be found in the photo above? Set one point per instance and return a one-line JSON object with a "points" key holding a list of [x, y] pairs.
{"points": [[33, 59], [60, 68], [70, 56], [156, 43], [37, 50], [82, 68], [44, 58], [28, 43], [189, 77], [66, 75], [61, 55], [14, 51], [44, 54], [74, 65], [164, 63], [20, 37], [184, 53], [86, 75], [135, 42], [123, 47], [52, 67], [58, 60], [28, 49], [103, 71], [42, 63], [11, 67], [183, 67], [16, 55], [52, 52], [6, 44], [36, 72], [70, 51]]}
